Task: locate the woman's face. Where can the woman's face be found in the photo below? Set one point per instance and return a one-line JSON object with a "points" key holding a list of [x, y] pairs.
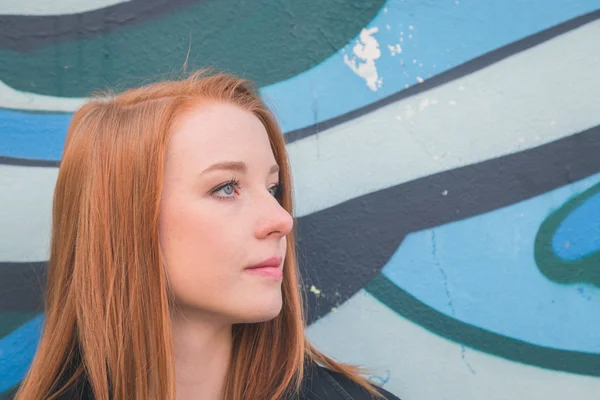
{"points": [[220, 215]]}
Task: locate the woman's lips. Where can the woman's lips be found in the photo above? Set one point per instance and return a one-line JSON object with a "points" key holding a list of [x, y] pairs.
{"points": [[268, 268]]}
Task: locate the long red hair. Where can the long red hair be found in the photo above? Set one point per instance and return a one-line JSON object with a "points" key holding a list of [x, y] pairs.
{"points": [[107, 297]]}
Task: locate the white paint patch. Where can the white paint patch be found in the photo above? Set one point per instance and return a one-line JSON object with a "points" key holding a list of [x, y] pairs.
{"points": [[11, 98], [367, 51], [36, 7], [422, 365]]}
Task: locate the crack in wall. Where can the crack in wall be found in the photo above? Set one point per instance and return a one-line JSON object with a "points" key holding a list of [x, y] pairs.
{"points": [[450, 304], [315, 111]]}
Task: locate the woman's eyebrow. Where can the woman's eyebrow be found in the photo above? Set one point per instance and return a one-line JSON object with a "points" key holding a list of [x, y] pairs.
{"points": [[238, 166]]}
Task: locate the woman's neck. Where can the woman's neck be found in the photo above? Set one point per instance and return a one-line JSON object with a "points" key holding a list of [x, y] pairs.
{"points": [[202, 356]]}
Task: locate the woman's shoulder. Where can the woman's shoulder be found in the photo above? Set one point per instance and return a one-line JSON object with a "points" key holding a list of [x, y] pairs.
{"points": [[322, 383]]}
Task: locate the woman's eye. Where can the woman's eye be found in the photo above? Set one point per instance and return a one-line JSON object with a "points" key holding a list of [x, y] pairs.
{"points": [[276, 190]]}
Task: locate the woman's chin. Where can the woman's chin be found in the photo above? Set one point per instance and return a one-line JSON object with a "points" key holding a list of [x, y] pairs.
{"points": [[261, 310]]}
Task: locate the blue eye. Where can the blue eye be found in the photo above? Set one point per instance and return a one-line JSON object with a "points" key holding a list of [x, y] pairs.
{"points": [[228, 189]]}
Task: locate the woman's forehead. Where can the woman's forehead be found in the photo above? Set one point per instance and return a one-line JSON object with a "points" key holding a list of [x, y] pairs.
{"points": [[218, 133]]}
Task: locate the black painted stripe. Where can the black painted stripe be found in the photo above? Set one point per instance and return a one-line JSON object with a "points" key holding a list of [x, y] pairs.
{"points": [[22, 285], [26, 162], [480, 339], [455, 73]]}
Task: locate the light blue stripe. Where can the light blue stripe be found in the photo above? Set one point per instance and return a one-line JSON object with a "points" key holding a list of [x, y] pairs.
{"points": [[33, 135]]}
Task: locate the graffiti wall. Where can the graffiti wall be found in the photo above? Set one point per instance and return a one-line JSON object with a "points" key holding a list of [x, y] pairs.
{"points": [[446, 158]]}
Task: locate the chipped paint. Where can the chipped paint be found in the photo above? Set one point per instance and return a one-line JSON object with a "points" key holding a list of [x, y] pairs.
{"points": [[395, 49], [366, 51]]}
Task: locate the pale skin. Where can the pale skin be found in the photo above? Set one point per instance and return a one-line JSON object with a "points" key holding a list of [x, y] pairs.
{"points": [[211, 230]]}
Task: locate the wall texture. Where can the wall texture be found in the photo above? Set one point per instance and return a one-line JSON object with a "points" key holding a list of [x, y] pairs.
{"points": [[446, 156]]}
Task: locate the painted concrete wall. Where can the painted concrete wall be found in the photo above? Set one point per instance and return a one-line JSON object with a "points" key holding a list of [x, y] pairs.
{"points": [[446, 156]]}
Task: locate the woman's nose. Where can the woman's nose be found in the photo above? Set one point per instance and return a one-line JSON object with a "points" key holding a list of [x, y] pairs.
{"points": [[273, 219]]}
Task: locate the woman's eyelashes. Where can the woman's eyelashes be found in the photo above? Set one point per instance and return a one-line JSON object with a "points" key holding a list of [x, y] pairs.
{"points": [[231, 188]]}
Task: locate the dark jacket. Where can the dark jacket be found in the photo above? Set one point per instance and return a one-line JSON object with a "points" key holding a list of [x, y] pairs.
{"points": [[322, 383], [319, 384]]}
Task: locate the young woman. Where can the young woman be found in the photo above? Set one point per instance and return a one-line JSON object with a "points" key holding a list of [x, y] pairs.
{"points": [[172, 272]]}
